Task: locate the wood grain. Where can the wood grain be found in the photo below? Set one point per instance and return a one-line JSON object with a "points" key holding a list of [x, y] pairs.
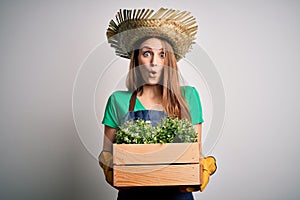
{"points": [[156, 175], [155, 153]]}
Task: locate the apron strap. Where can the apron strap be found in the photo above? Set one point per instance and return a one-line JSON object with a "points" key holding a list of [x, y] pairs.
{"points": [[132, 101]]}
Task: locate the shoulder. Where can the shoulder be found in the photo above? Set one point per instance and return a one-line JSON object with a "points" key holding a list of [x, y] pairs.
{"points": [[187, 90], [190, 94], [119, 99], [120, 95]]}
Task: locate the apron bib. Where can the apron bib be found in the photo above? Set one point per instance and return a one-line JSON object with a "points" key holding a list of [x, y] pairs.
{"points": [[154, 116]]}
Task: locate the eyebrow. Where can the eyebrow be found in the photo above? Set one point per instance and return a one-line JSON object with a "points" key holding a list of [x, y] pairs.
{"points": [[146, 47]]}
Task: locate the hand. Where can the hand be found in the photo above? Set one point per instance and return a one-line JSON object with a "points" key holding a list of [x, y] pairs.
{"points": [[106, 161], [208, 167]]}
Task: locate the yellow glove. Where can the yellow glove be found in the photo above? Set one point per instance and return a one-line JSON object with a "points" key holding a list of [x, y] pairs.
{"points": [[106, 161], [208, 167]]}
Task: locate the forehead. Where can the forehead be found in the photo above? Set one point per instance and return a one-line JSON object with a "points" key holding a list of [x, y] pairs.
{"points": [[153, 43]]}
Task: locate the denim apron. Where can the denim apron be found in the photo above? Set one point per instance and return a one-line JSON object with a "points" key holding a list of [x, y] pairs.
{"points": [[155, 192]]}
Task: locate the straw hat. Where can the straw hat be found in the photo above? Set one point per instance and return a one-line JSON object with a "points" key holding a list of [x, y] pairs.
{"points": [[177, 27]]}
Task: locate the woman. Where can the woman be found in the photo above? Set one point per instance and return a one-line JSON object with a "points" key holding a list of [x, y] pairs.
{"points": [[154, 43]]}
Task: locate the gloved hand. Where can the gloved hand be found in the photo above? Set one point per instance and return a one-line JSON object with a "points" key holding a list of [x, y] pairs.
{"points": [[208, 167], [106, 161]]}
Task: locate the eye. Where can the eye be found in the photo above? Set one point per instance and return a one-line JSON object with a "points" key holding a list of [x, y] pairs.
{"points": [[162, 54], [146, 53]]}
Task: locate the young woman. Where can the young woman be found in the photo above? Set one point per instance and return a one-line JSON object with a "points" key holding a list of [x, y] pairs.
{"points": [[153, 84]]}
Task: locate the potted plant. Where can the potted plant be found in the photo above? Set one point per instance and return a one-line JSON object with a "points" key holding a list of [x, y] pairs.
{"points": [[165, 154]]}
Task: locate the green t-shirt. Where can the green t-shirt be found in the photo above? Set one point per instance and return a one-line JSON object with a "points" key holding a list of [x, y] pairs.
{"points": [[118, 103]]}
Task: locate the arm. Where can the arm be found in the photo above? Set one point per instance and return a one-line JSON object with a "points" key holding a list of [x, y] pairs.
{"points": [[109, 137], [198, 128], [207, 164], [105, 157]]}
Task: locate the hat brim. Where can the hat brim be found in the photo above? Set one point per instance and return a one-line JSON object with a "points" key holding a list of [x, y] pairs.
{"points": [[179, 33]]}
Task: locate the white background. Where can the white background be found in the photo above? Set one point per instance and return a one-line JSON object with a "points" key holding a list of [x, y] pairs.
{"points": [[254, 44]]}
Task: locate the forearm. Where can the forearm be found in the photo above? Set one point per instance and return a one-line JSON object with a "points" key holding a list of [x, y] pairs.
{"points": [[198, 128], [109, 137]]}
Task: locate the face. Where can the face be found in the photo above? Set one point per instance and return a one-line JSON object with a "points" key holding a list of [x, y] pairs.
{"points": [[151, 60]]}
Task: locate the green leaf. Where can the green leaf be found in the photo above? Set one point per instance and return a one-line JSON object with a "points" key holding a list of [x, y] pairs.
{"points": [[167, 131]]}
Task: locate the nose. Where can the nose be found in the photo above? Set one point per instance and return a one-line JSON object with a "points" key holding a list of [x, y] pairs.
{"points": [[155, 60]]}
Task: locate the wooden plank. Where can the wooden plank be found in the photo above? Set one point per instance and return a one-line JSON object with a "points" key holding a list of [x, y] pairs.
{"points": [[155, 153], [156, 175]]}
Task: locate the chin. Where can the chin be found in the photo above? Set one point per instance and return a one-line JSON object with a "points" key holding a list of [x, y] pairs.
{"points": [[149, 82]]}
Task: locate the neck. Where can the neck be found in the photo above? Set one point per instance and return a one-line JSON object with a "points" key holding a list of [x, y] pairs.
{"points": [[151, 91]]}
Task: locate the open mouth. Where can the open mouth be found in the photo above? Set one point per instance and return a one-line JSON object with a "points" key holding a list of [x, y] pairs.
{"points": [[152, 73]]}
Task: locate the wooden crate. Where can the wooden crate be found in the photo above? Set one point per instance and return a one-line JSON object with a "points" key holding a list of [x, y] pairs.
{"points": [[156, 164]]}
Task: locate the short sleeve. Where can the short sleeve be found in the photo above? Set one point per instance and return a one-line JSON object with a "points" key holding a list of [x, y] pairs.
{"points": [[109, 118], [194, 103]]}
